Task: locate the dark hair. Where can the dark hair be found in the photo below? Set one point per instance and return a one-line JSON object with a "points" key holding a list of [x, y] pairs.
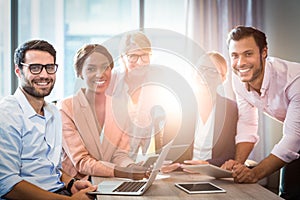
{"points": [[40, 45], [87, 50], [241, 32]]}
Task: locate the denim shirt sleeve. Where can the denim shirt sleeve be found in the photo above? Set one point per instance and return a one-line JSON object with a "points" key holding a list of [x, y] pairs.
{"points": [[30, 145], [10, 148]]}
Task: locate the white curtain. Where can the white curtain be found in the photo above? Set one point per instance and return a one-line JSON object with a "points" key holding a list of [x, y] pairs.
{"points": [[209, 21]]}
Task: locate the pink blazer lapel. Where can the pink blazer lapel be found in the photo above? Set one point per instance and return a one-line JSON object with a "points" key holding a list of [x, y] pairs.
{"points": [[86, 124]]}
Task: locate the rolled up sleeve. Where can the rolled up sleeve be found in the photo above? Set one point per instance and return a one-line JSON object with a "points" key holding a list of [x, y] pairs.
{"points": [[289, 146], [10, 143], [247, 125]]}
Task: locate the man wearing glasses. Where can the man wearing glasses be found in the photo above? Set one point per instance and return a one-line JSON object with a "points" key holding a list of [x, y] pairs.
{"points": [[126, 89], [30, 132]]}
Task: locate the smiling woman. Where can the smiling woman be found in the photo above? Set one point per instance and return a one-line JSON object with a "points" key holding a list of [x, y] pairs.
{"points": [[92, 142], [96, 72]]}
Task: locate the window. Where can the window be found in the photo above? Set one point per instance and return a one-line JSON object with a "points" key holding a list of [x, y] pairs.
{"points": [[166, 14], [5, 59], [43, 20], [70, 24], [97, 22]]}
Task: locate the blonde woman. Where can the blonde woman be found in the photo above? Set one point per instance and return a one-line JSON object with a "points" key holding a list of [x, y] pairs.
{"points": [[131, 96]]}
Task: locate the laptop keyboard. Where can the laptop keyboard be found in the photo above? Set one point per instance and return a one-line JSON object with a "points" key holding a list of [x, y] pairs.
{"points": [[129, 186]]}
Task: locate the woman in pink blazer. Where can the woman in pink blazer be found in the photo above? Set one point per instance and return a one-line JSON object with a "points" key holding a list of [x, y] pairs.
{"points": [[93, 145]]}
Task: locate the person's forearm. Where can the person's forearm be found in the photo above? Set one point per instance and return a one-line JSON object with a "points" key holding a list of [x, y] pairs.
{"points": [[268, 166], [65, 177], [243, 150], [26, 190]]}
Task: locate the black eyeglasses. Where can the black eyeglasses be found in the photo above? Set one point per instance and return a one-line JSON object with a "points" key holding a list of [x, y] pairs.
{"points": [[37, 68], [133, 58]]}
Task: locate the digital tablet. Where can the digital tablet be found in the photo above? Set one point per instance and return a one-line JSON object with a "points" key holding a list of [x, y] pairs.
{"points": [[150, 160], [199, 187], [209, 170], [176, 151]]}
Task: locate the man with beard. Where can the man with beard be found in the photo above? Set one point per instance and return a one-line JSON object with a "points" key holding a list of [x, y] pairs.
{"points": [[271, 85], [31, 132]]}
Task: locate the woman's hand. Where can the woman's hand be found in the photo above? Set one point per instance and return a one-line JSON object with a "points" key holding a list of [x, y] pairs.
{"points": [[193, 162], [167, 168]]}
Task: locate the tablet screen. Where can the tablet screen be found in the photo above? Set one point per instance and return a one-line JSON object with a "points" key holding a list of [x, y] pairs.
{"points": [[199, 187]]}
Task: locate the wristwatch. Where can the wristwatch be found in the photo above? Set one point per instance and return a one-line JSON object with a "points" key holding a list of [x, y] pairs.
{"points": [[70, 184]]}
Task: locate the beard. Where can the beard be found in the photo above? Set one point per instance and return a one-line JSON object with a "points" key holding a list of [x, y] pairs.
{"points": [[257, 72], [31, 90]]}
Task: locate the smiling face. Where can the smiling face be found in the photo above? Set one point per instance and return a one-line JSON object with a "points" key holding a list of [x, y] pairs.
{"points": [[39, 85], [96, 72], [246, 60]]}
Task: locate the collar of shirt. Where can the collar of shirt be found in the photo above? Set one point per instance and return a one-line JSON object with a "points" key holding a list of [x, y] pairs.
{"points": [[35, 157], [28, 110], [266, 80]]}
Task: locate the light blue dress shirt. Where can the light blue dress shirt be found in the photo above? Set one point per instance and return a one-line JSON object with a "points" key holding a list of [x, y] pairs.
{"points": [[30, 144]]}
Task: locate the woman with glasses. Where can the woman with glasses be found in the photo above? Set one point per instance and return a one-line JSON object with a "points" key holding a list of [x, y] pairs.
{"points": [[214, 139], [93, 144], [216, 129], [128, 91]]}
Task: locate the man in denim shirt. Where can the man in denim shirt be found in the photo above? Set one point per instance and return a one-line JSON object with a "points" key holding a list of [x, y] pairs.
{"points": [[31, 132]]}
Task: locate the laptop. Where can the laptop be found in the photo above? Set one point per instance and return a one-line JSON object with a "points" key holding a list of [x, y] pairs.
{"points": [[132, 187]]}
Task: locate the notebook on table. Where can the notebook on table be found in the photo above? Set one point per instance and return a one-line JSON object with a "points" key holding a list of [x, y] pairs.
{"points": [[132, 187]]}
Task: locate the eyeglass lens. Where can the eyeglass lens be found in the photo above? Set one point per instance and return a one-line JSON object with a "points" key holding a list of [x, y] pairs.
{"points": [[134, 57], [37, 68]]}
